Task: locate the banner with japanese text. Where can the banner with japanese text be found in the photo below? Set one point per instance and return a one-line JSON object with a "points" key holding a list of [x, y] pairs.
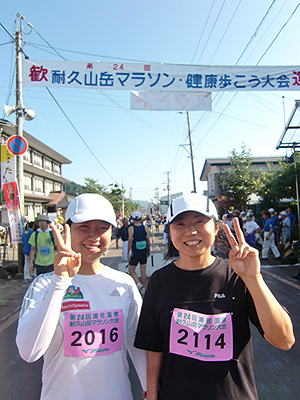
{"points": [[8, 168], [12, 201], [159, 76], [166, 101]]}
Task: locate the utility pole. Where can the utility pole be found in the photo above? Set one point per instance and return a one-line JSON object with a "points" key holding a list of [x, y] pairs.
{"points": [[130, 195], [168, 188], [19, 131], [123, 200], [297, 186], [191, 151]]}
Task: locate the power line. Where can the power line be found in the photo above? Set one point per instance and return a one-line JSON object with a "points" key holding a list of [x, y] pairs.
{"points": [[284, 25], [263, 35], [243, 52], [235, 11], [71, 123], [216, 20], [256, 31], [203, 30], [93, 54], [13, 39]]}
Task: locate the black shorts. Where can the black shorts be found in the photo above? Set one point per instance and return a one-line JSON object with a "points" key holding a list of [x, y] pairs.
{"points": [[40, 269], [138, 258]]}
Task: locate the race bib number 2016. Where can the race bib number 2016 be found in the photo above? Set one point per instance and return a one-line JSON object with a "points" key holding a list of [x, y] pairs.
{"points": [[91, 333], [200, 336]]}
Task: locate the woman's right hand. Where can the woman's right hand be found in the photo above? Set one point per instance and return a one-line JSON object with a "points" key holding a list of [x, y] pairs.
{"points": [[66, 261]]}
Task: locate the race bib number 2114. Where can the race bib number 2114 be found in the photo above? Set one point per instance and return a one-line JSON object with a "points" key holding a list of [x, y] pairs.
{"points": [[200, 336]]}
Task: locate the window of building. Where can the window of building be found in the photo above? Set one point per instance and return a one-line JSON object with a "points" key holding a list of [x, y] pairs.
{"points": [[27, 157], [37, 160], [38, 185], [56, 168], [28, 182], [48, 187], [57, 187], [48, 165]]}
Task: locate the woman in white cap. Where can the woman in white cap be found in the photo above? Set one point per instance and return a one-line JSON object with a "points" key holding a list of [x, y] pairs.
{"points": [[82, 317], [194, 322]]}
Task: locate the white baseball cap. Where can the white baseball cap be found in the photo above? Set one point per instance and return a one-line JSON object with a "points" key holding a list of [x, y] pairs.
{"points": [[136, 215], [284, 213], [192, 202], [271, 210], [90, 206]]}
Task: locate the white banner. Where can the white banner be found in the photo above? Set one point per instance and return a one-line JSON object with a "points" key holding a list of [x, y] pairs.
{"points": [[159, 77], [178, 101]]}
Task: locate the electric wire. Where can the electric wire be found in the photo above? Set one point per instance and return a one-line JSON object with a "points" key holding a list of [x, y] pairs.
{"points": [[212, 29], [263, 35], [85, 143], [273, 41], [203, 30], [96, 55], [164, 131], [33, 28], [228, 25], [243, 52], [256, 31], [13, 39]]}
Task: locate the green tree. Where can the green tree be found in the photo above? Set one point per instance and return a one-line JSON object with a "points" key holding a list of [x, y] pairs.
{"points": [[240, 180], [114, 195], [91, 186], [278, 183], [73, 188]]}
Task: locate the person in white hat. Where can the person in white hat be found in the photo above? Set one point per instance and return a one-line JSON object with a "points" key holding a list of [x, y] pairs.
{"points": [[286, 225], [194, 322], [82, 318]]}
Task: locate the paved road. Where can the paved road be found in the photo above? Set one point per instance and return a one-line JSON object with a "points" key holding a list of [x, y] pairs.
{"points": [[277, 372]]}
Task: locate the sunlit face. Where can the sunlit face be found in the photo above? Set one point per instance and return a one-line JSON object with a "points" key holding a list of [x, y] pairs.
{"points": [[193, 234], [43, 225], [91, 239]]}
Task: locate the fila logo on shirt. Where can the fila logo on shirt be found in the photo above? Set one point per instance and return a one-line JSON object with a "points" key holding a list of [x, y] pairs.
{"points": [[220, 296]]}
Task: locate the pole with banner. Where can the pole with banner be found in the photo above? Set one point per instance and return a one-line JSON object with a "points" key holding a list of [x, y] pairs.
{"points": [[12, 201]]}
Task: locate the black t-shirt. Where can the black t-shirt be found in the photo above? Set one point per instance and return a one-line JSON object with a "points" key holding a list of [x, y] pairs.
{"points": [[122, 233], [212, 290]]}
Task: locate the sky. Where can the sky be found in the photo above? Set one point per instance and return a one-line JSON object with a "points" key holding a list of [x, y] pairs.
{"points": [[110, 143]]}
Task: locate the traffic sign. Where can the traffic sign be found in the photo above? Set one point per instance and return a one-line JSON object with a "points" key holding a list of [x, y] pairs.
{"points": [[17, 145]]}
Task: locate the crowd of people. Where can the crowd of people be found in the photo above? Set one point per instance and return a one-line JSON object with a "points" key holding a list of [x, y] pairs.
{"points": [[188, 338], [273, 231]]}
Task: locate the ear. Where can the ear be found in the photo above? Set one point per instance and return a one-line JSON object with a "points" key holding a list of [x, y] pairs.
{"points": [[217, 227]]}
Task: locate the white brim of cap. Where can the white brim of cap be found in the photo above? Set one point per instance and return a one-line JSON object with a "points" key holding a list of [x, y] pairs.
{"points": [[77, 219]]}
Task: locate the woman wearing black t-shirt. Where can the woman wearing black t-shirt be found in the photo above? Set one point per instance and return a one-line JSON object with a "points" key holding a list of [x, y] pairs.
{"points": [[194, 322]]}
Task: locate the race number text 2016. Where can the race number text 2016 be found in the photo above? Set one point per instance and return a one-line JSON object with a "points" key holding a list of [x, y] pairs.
{"points": [[200, 336], [93, 333]]}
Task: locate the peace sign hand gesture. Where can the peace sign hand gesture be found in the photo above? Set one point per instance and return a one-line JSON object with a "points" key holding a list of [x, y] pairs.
{"points": [[243, 259], [66, 261]]}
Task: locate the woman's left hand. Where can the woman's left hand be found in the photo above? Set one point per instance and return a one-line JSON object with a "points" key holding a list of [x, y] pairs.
{"points": [[243, 259]]}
